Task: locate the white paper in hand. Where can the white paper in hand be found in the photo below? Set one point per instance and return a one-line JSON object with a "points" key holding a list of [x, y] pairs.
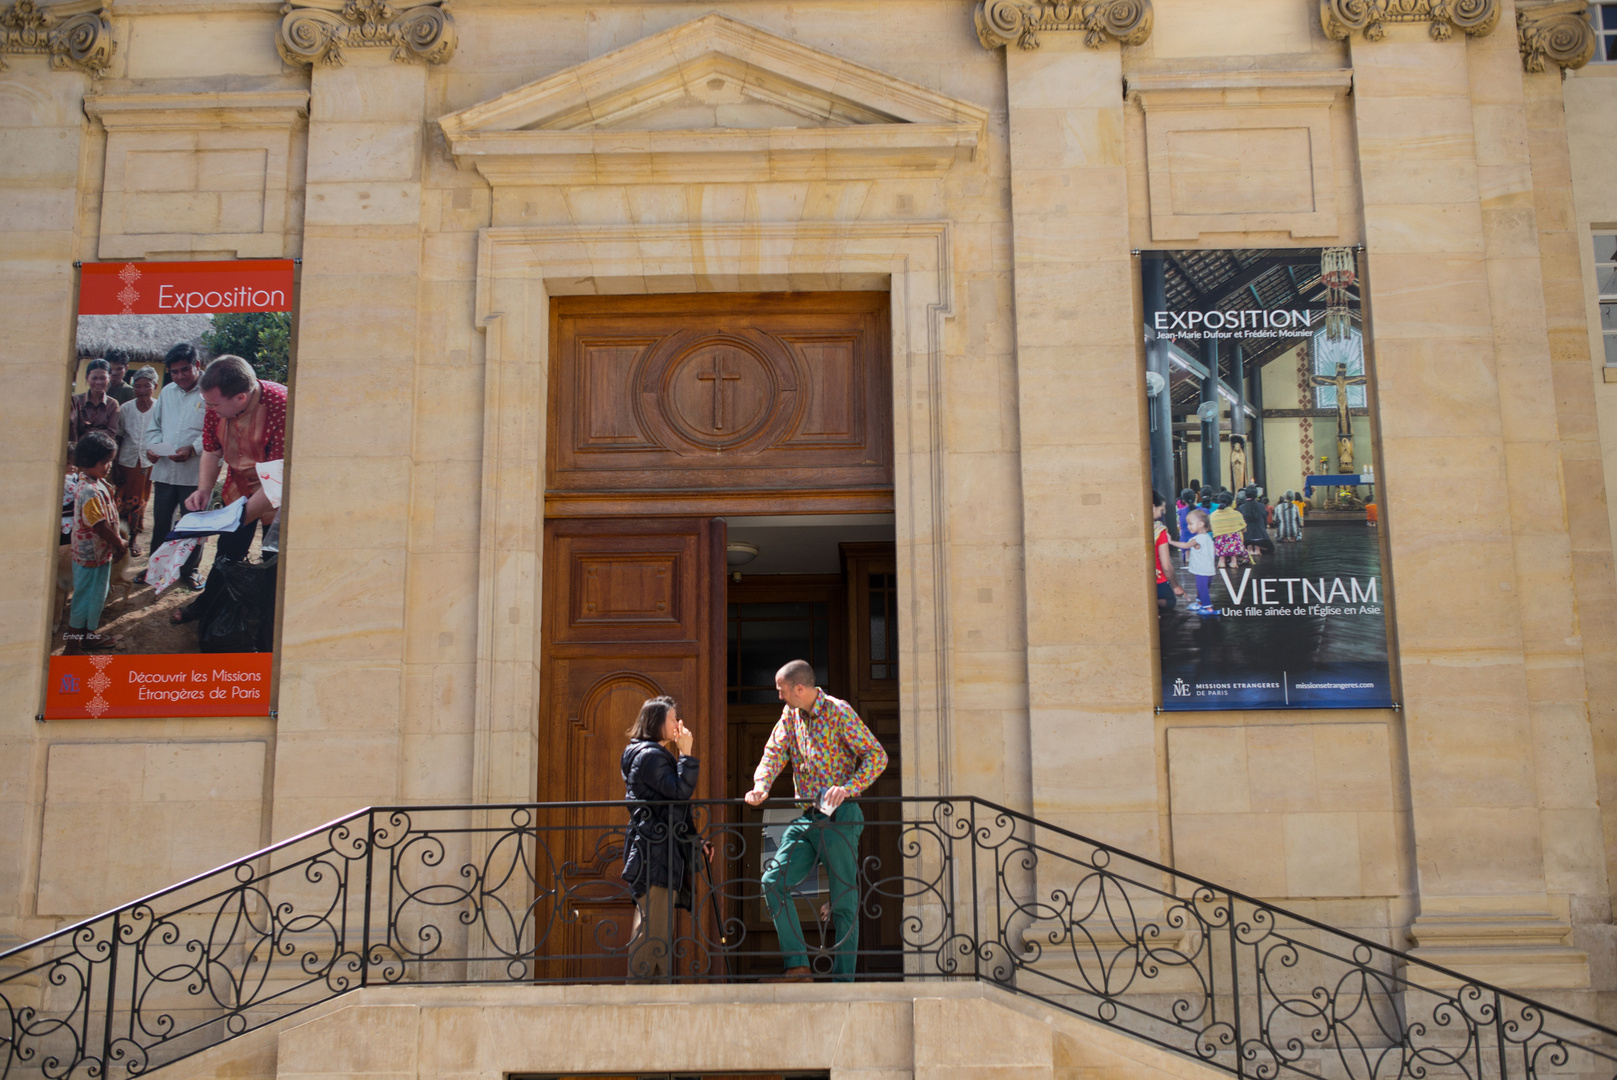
{"points": [[269, 475], [161, 449], [208, 522]]}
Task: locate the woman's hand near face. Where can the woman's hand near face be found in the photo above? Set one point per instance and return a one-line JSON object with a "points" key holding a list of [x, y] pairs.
{"points": [[683, 738]]}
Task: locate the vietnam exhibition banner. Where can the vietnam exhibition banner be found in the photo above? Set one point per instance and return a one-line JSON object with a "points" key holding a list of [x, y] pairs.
{"points": [[169, 538], [1267, 556]]}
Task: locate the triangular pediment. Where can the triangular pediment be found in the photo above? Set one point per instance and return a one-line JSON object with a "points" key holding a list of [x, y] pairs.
{"points": [[708, 88]]}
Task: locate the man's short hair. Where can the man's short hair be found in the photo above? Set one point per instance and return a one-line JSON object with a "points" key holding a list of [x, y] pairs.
{"points": [[116, 356], [96, 365], [93, 448], [183, 353], [230, 375], [796, 673]]}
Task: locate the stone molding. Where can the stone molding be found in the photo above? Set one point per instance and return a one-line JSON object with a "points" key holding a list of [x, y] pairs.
{"points": [[519, 269], [1341, 18], [1001, 22], [74, 35], [208, 171], [1554, 32], [597, 122], [1220, 112], [317, 31], [207, 110]]}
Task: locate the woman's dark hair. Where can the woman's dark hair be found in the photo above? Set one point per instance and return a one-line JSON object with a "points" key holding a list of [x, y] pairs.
{"points": [[649, 724], [1157, 500], [1224, 500], [1195, 485], [1186, 495], [97, 365], [92, 449]]}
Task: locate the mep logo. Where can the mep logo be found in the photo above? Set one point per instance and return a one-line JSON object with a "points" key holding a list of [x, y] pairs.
{"points": [[70, 683], [1180, 689]]}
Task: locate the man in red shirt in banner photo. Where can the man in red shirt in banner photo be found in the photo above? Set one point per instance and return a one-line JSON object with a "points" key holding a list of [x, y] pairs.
{"points": [[834, 758], [245, 425]]}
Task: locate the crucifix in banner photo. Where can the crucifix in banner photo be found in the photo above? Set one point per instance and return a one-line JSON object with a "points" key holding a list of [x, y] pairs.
{"points": [[1344, 420]]}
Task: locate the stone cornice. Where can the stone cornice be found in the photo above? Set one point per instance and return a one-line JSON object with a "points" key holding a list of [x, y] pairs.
{"points": [[1001, 22], [318, 31], [207, 110], [1342, 18], [1556, 31], [74, 35]]}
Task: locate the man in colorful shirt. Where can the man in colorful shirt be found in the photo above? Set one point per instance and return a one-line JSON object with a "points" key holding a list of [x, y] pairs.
{"points": [[244, 426], [834, 758]]}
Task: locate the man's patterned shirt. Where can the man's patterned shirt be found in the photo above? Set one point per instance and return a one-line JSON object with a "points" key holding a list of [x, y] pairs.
{"points": [[829, 747]]}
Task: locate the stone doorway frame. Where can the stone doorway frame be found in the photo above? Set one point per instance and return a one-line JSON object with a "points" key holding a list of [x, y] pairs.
{"points": [[520, 268]]}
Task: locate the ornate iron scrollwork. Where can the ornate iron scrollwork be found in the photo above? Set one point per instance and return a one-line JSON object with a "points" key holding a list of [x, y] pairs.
{"points": [[968, 889]]}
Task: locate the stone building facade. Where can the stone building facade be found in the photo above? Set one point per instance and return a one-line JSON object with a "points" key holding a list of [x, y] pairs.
{"points": [[450, 177]]}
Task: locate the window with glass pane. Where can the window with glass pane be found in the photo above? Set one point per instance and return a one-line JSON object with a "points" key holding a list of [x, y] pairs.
{"points": [[763, 637], [1604, 16], [883, 626], [1606, 282]]}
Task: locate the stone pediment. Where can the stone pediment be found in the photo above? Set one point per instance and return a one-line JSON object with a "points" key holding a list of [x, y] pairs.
{"points": [[714, 99]]}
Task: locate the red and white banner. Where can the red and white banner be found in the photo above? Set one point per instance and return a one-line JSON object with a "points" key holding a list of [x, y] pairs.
{"points": [[195, 684], [185, 288]]}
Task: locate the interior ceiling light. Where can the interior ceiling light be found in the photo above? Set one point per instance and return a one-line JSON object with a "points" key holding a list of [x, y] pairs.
{"points": [[740, 553]]}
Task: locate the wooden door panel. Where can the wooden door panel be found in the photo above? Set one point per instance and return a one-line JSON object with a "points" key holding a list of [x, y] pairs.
{"points": [[633, 609], [719, 393], [624, 587]]}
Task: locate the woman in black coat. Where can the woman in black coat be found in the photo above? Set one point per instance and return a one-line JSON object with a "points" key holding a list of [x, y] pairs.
{"points": [[659, 858]]}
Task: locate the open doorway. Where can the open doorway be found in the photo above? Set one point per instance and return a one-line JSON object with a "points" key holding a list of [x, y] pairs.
{"points": [[821, 588]]}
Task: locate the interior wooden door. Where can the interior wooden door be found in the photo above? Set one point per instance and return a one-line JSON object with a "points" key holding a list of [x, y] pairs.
{"points": [[633, 608]]}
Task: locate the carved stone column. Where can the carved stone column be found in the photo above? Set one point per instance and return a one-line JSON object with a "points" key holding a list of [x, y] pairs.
{"points": [[345, 644], [1084, 519], [1507, 833], [47, 58]]}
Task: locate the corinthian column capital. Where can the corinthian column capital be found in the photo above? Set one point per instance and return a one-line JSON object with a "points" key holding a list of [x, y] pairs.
{"points": [[73, 35], [1342, 18], [319, 31], [1001, 22], [1554, 31]]}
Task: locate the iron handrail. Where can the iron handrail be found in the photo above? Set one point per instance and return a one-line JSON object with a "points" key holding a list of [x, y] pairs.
{"points": [[945, 888]]}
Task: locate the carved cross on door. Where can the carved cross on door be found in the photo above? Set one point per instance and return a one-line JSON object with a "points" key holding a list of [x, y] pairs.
{"points": [[718, 377]]}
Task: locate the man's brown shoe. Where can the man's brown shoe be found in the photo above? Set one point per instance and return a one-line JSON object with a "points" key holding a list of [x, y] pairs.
{"points": [[792, 975]]}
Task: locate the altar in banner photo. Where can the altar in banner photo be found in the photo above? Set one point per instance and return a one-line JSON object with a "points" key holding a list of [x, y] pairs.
{"points": [[1260, 395], [169, 538]]}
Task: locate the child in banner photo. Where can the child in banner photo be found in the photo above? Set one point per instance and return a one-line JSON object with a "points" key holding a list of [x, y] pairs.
{"points": [[1201, 548], [96, 541], [1228, 525]]}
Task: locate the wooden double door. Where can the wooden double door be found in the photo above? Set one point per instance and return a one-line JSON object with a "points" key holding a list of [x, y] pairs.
{"points": [[666, 415]]}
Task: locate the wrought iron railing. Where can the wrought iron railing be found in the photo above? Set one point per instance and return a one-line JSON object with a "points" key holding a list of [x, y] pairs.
{"points": [[945, 889]]}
